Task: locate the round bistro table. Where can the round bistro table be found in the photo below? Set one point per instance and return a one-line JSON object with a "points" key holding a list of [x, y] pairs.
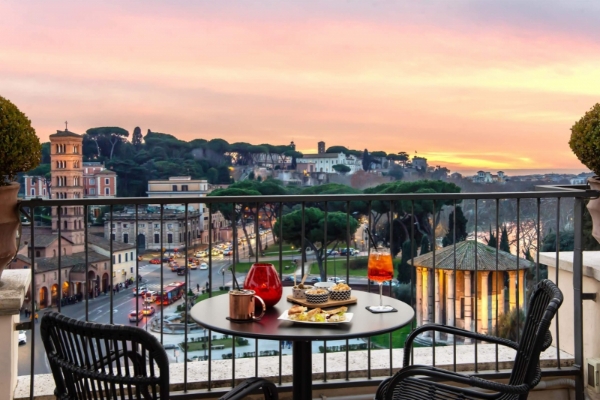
{"points": [[211, 314]]}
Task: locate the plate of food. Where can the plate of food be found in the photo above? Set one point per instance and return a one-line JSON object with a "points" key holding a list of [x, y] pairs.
{"points": [[317, 315]]}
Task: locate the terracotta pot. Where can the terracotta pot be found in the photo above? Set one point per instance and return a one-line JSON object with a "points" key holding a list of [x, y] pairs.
{"points": [[9, 223], [594, 208]]}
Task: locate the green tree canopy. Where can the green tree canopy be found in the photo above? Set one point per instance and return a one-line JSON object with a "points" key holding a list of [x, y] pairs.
{"points": [[341, 168], [237, 212], [421, 213], [404, 268], [461, 228], [314, 224], [112, 134], [337, 150]]}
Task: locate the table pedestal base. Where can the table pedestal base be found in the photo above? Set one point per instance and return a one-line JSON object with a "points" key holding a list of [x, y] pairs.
{"points": [[302, 370]]}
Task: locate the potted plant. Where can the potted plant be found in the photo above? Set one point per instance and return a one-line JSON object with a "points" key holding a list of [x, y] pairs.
{"points": [[585, 143], [21, 151]]}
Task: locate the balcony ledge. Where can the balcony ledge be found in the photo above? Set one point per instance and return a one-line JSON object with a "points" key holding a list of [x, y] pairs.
{"points": [[197, 372]]}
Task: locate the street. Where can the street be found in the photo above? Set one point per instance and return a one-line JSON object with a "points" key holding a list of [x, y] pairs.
{"points": [[99, 309]]}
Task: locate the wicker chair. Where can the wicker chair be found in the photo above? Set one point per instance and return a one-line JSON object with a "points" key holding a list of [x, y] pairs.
{"points": [[98, 361], [525, 375]]}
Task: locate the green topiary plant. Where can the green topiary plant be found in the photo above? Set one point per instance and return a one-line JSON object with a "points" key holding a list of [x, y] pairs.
{"points": [[21, 148], [585, 139]]}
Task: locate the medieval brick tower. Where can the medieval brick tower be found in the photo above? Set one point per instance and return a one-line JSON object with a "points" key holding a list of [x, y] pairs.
{"points": [[321, 147], [67, 183]]}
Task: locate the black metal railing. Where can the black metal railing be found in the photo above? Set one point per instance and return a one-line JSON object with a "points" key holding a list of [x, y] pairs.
{"points": [[530, 213]]}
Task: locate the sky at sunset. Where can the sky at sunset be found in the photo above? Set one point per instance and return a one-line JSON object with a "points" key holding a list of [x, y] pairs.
{"points": [[468, 84]]}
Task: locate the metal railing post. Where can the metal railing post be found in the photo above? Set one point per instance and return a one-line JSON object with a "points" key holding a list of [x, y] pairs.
{"points": [[577, 296]]}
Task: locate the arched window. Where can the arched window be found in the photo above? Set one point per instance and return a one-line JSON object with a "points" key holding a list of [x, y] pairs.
{"points": [[170, 238], [107, 191]]}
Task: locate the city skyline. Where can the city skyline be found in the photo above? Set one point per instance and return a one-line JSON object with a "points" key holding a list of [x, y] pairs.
{"points": [[471, 85]]}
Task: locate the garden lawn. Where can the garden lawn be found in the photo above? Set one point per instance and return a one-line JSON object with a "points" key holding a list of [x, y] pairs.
{"points": [[273, 250], [358, 266], [244, 267], [215, 293], [195, 346], [398, 338]]}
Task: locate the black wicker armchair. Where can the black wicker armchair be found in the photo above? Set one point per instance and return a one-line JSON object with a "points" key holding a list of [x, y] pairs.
{"points": [[525, 375], [98, 361]]}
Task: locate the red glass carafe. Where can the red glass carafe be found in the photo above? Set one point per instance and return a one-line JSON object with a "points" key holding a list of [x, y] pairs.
{"points": [[264, 280]]}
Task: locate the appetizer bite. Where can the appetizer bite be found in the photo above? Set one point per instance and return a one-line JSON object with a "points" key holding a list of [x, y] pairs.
{"points": [[299, 313]]}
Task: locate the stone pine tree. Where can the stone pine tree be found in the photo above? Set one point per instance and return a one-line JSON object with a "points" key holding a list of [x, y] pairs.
{"points": [[504, 245], [461, 228], [492, 241], [404, 268], [136, 139]]}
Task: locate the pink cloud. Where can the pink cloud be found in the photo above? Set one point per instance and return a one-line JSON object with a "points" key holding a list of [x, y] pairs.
{"points": [[361, 79]]}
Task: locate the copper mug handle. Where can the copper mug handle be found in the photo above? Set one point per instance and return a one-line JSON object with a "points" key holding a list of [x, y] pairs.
{"points": [[264, 308]]}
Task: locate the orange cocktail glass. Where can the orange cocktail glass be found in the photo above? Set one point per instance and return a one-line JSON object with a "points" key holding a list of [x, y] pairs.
{"points": [[380, 269]]}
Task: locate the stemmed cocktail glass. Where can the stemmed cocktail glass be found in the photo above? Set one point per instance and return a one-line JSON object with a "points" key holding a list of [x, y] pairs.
{"points": [[380, 270]]}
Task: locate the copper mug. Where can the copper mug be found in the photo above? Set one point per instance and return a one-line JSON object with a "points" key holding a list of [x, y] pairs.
{"points": [[241, 305]]}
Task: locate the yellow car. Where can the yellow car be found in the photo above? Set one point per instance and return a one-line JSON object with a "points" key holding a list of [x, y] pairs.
{"points": [[192, 266]]}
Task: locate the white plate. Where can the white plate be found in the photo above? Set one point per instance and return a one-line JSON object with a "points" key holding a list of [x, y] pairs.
{"points": [[285, 317]]}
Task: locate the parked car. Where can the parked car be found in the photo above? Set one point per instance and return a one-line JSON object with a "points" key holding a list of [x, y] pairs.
{"points": [[22, 337], [135, 316], [333, 252], [335, 279], [289, 278], [350, 250], [141, 292], [155, 261], [316, 279], [166, 259], [204, 266]]}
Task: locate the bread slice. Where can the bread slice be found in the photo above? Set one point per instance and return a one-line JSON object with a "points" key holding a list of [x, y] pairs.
{"points": [[313, 312], [341, 309], [296, 309]]}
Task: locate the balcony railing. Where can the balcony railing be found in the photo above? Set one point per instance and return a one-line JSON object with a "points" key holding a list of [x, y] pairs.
{"points": [[355, 366]]}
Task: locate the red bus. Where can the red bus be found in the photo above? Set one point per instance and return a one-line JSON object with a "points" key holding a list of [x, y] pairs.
{"points": [[170, 293]]}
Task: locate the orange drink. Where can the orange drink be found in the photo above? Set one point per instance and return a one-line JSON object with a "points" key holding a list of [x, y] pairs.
{"points": [[380, 267]]}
